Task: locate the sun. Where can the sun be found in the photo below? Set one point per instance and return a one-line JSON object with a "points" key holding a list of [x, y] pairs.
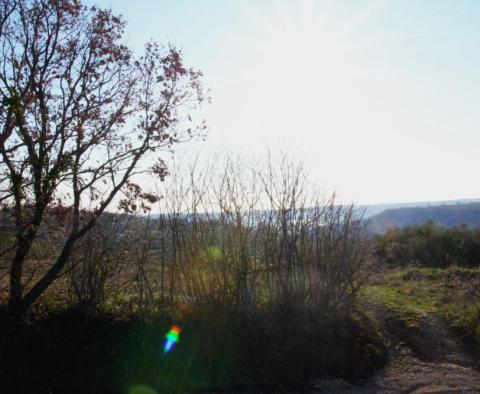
{"points": [[308, 35], [304, 81], [306, 65]]}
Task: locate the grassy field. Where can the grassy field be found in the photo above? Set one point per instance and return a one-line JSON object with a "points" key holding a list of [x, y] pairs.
{"points": [[415, 293]]}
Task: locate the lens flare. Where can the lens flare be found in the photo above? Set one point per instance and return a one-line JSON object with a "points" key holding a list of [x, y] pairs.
{"points": [[171, 339]]}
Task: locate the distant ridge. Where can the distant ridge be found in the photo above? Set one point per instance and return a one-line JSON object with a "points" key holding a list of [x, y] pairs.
{"points": [[379, 217], [449, 215], [374, 209]]}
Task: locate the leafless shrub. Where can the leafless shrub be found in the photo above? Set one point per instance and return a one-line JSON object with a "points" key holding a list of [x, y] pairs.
{"points": [[99, 268], [248, 236], [471, 285], [229, 233]]}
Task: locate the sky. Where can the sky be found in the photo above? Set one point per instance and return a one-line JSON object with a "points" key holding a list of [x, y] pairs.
{"points": [[380, 98]]}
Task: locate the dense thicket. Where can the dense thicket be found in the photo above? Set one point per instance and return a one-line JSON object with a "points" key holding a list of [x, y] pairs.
{"points": [[430, 245]]}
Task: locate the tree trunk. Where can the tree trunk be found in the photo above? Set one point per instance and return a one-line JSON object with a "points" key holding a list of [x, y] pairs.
{"points": [[49, 277], [16, 288]]}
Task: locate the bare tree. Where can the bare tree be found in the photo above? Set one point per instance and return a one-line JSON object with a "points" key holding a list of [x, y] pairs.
{"points": [[80, 119]]}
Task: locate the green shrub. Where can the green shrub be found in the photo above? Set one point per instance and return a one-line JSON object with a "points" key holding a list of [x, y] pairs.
{"points": [[429, 245]]}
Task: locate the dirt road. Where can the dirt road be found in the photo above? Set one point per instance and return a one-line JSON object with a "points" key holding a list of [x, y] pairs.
{"points": [[424, 357]]}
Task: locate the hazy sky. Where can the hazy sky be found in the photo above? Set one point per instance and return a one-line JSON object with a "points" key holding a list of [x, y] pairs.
{"points": [[381, 98]]}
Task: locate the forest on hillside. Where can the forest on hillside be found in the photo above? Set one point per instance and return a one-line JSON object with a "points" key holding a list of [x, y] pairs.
{"points": [[443, 215]]}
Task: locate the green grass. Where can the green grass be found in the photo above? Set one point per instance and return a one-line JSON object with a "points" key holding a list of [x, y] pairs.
{"points": [[439, 273], [407, 300], [414, 293]]}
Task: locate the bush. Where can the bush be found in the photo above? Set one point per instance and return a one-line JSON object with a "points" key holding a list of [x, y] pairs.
{"points": [[219, 350], [429, 245]]}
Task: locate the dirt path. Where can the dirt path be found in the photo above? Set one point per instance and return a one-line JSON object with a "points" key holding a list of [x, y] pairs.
{"points": [[423, 358], [415, 376], [411, 375]]}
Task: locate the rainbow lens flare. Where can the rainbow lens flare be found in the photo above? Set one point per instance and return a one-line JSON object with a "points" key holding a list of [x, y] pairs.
{"points": [[171, 339]]}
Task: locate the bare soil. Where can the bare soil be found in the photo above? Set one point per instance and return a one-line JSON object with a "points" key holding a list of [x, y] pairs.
{"points": [[424, 357]]}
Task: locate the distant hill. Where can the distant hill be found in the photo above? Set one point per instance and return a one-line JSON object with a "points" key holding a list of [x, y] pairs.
{"points": [[374, 209], [443, 215], [380, 217]]}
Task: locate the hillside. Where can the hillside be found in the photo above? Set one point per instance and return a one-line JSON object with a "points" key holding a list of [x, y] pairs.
{"points": [[374, 209], [443, 215]]}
